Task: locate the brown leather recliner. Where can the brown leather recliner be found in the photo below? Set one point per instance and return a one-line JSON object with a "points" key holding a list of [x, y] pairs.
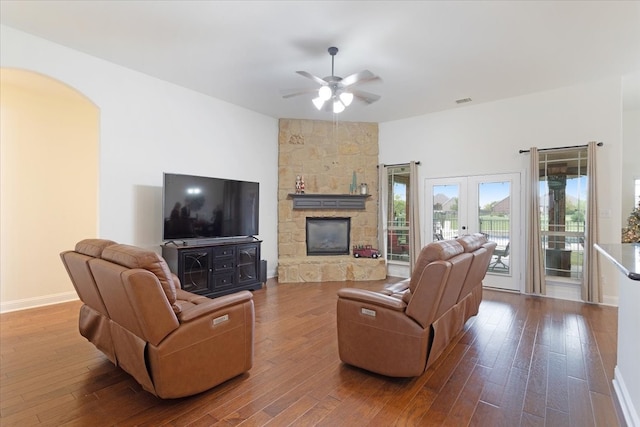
{"points": [[174, 343], [471, 293], [402, 329], [94, 322]]}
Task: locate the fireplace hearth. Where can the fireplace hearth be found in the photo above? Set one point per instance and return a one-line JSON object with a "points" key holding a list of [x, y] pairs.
{"points": [[328, 235]]}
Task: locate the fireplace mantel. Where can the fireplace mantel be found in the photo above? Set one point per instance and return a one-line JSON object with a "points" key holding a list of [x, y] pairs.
{"points": [[329, 201]]}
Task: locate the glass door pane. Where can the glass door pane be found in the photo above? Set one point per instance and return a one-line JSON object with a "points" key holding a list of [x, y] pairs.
{"points": [[445, 214], [494, 221], [495, 211]]}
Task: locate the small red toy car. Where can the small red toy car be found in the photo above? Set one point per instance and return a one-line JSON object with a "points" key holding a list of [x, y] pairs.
{"points": [[365, 251]]}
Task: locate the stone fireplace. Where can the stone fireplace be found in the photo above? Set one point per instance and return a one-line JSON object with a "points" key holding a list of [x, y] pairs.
{"points": [[328, 155]]}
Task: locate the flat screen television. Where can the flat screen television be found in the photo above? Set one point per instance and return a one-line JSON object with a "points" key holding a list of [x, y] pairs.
{"points": [[197, 207]]}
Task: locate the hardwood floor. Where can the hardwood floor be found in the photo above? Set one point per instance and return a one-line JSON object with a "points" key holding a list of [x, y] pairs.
{"points": [[522, 361]]}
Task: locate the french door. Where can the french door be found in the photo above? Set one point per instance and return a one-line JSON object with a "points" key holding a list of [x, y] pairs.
{"points": [[488, 204]]}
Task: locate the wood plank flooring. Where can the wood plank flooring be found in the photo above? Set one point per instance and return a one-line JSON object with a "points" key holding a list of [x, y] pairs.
{"points": [[523, 360]]}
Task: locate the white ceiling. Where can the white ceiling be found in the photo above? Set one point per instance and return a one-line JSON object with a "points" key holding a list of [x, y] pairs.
{"points": [[428, 53]]}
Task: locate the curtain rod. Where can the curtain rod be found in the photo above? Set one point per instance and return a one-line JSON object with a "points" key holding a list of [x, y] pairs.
{"points": [[599, 144], [398, 164]]}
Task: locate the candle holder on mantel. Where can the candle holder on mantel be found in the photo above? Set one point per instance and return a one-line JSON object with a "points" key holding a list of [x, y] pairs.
{"points": [[364, 189]]}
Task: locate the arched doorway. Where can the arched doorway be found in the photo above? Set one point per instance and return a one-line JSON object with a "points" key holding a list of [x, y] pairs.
{"points": [[49, 184]]}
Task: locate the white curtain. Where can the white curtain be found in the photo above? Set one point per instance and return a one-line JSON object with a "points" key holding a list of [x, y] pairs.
{"points": [[383, 197], [534, 280], [591, 288], [415, 244]]}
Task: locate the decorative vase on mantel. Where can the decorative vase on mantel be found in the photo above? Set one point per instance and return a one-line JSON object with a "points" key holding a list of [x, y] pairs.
{"points": [[353, 188]]}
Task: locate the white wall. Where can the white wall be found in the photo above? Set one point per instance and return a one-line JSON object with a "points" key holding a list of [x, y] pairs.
{"points": [[485, 139], [147, 127]]}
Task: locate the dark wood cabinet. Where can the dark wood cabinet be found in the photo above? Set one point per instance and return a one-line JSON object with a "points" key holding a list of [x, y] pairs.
{"points": [[218, 268]]}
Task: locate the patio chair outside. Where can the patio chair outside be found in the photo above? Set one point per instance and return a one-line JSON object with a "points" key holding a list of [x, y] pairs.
{"points": [[499, 254]]}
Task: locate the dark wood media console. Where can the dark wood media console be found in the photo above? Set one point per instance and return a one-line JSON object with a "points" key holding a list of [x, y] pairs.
{"points": [[217, 267]]}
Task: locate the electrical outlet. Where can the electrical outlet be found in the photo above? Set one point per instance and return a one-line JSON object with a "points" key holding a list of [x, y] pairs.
{"points": [[605, 213]]}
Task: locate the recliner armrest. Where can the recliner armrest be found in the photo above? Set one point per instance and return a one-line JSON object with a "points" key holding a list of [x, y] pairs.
{"points": [[373, 298], [182, 295], [213, 305], [399, 287]]}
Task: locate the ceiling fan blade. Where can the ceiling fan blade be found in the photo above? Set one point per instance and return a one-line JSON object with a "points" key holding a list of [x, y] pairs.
{"points": [[367, 97], [312, 77], [290, 93], [357, 78]]}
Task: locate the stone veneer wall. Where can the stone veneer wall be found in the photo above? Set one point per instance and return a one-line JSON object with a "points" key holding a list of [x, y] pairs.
{"points": [[326, 154]]}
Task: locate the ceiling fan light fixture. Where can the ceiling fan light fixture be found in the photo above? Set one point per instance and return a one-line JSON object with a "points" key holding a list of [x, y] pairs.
{"points": [[346, 98], [318, 102], [325, 93], [334, 93]]}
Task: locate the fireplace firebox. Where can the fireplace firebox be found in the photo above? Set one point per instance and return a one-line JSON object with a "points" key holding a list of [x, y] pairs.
{"points": [[328, 235]]}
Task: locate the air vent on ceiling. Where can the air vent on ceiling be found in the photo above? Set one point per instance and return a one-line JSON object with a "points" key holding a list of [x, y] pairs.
{"points": [[463, 100]]}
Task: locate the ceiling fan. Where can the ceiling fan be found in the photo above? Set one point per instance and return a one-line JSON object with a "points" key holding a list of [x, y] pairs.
{"points": [[336, 93]]}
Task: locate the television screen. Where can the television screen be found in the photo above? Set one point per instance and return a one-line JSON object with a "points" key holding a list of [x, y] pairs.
{"points": [[201, 207]]}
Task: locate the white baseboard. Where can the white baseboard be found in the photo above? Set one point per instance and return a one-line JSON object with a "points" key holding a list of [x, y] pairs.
{"points": [[573, 292], [562, 290], [628, 410], [23, 304]]}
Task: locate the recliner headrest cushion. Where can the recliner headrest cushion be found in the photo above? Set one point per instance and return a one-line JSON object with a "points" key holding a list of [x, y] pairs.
{"points": [[134, 257], [434, 251], [472, 242], [93, 247], [441, 250]]}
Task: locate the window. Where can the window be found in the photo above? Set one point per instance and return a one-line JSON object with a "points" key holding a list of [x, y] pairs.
{"points": [[563, 203], [397, 213]]}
